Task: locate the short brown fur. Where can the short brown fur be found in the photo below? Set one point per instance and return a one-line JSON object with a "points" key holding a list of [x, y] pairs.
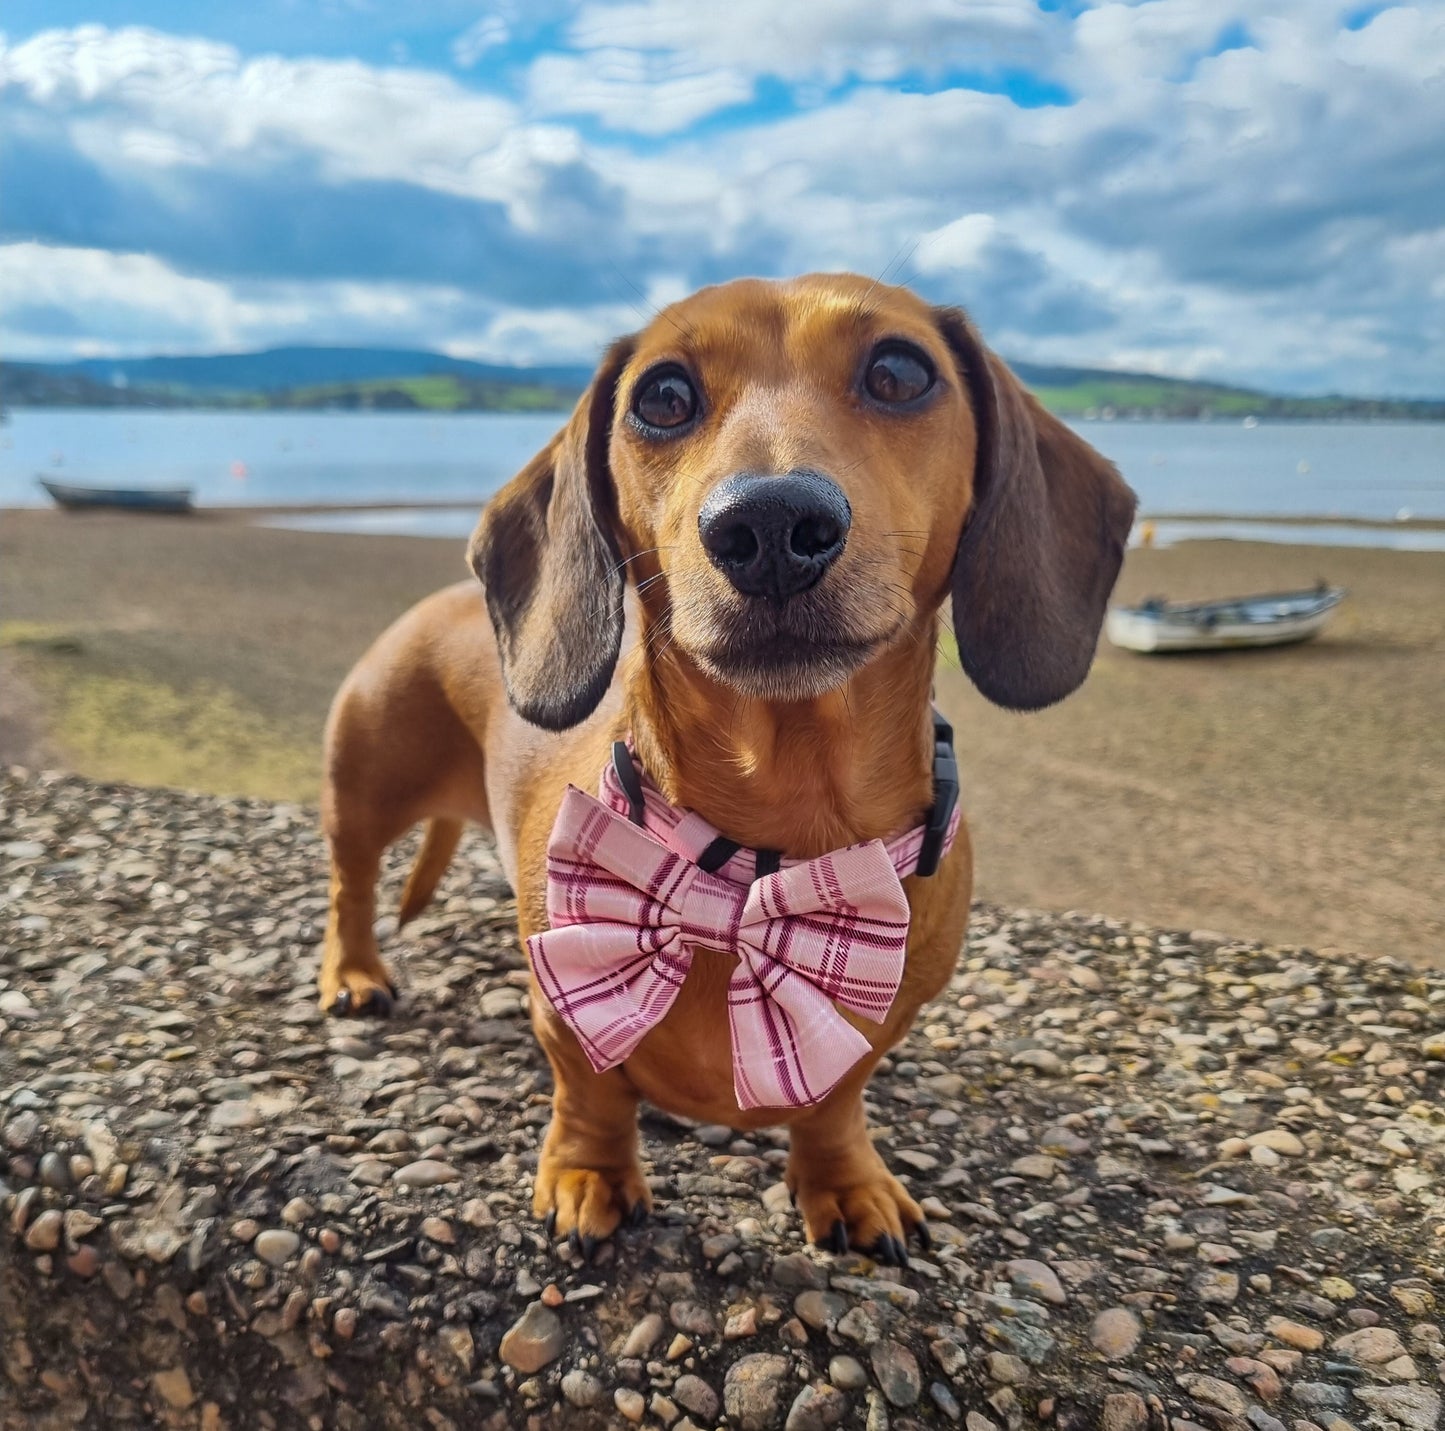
{"points": [[977, 497]]}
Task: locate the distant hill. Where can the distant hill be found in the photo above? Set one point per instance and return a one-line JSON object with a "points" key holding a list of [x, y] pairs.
{"points": [[405, 378], [277, 369]]}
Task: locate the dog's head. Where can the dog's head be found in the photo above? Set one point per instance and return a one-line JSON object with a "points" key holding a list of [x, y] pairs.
{"points": [[795, 475]]}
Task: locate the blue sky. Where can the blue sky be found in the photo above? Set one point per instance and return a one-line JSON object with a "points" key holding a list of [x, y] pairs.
{"points": [[1202, 187]]}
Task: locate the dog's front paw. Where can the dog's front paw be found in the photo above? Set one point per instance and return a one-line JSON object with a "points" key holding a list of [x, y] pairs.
{"points": [[587, 1205], [870, 1212], [367, 992]]}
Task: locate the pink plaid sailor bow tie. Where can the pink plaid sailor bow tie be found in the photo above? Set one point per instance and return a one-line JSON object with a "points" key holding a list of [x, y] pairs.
{"points": [[629, 906]]}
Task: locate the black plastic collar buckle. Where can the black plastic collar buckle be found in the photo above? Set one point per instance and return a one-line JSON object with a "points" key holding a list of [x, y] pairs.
{"points": [[945, 798], [628, 779]]}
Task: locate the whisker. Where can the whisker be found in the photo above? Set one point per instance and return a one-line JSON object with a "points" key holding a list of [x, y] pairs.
{"points": [[868, 292]]}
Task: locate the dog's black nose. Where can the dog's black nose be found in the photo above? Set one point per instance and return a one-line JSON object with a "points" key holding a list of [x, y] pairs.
{"points": [[774, 536]]}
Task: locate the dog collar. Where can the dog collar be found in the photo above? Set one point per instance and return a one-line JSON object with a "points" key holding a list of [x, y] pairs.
{"points": [[627, 788]]}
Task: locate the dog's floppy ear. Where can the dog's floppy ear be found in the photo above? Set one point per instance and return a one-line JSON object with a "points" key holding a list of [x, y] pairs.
{"points": [[1042, 544], [548, 562]]}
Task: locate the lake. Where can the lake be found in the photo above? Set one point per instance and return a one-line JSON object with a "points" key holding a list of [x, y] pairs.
{"points": [[1374, 471]]}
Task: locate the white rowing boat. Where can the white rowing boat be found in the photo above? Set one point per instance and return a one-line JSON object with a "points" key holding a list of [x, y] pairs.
{"points": [[1277, 618]]}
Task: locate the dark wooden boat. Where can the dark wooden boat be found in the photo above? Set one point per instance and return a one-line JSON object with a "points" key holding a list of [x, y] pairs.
{"points": [[75, 498]]}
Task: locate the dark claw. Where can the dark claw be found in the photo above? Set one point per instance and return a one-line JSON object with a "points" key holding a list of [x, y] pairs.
{"points": [[924, 1236], [890, 1251], [837, 1239], [793, 1196], [549, 1223], [638, 1215], [379, 1004], [342, 1004], [589, 1246], [574, 1241]]}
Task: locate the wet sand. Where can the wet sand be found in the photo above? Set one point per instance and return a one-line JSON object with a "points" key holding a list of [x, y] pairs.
{"points": [[1292, 795]]}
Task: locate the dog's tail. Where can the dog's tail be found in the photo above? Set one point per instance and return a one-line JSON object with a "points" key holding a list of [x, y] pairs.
{"points": [[438, 846]]}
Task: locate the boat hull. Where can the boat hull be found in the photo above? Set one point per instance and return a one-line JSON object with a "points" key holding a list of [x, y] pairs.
{"points": [[73, 498], [1282, 620]]}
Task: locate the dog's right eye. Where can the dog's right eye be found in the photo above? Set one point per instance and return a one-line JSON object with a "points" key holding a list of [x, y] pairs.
{"points": [[665, 399]]}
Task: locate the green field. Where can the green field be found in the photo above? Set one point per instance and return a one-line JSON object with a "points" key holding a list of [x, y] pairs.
{"points": [[438, 392]]}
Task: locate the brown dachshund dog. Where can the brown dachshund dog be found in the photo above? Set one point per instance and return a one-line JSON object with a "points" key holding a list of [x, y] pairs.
{"points": [[777, 679]]}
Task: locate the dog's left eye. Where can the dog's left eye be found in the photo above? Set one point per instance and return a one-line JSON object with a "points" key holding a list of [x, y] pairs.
{"points": [[897, 373], [665, 399]]}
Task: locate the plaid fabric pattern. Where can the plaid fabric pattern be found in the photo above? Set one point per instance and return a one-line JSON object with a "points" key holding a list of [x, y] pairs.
{"points": [[629, 908]]}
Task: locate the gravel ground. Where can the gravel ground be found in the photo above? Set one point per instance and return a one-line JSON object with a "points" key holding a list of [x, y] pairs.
{"points": [[1175, 1180]]}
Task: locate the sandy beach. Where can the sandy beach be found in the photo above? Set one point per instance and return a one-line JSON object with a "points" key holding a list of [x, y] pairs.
{"points": [[1290, 796]]}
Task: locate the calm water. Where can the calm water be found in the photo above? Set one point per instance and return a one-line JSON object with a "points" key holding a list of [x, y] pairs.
{"points": [[1368, 470]]}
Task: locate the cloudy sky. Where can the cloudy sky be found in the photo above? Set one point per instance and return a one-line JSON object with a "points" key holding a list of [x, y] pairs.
{"points": [[1247, 190]]}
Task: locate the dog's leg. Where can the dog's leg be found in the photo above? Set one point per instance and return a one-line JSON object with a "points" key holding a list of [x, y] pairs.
{"points": [[588, 1176], [353, 978], [846, 1194]]}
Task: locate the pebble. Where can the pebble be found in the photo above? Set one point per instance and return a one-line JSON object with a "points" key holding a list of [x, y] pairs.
{"points": [[1124, 1411], [1210, 1389], [1041, 1060], [949, 1355], [426, 1173], [1036, 1279], [1415, 1407], [815, 1408], [897, 1371], [1320, 1395], [695, 1395], [1215, 1287], [1294, 1334], [534, 1339], [174, 1388], [54, 1172], [43, 1235], [1115, 1333], [632, 1404], [1278, 1140], [1369, 1346], [234, 1114], [819, 1310], [753, 1390], [797, 1269], [692, 1318], [275, 1246], [581, 1388], [847, 1373], [643, 1336]]}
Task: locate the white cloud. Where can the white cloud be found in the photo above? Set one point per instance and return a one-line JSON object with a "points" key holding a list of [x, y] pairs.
{"points": [[134, 304], [487, 34], [825, 42], [139, 97], [959, 245], [633, 91]]}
